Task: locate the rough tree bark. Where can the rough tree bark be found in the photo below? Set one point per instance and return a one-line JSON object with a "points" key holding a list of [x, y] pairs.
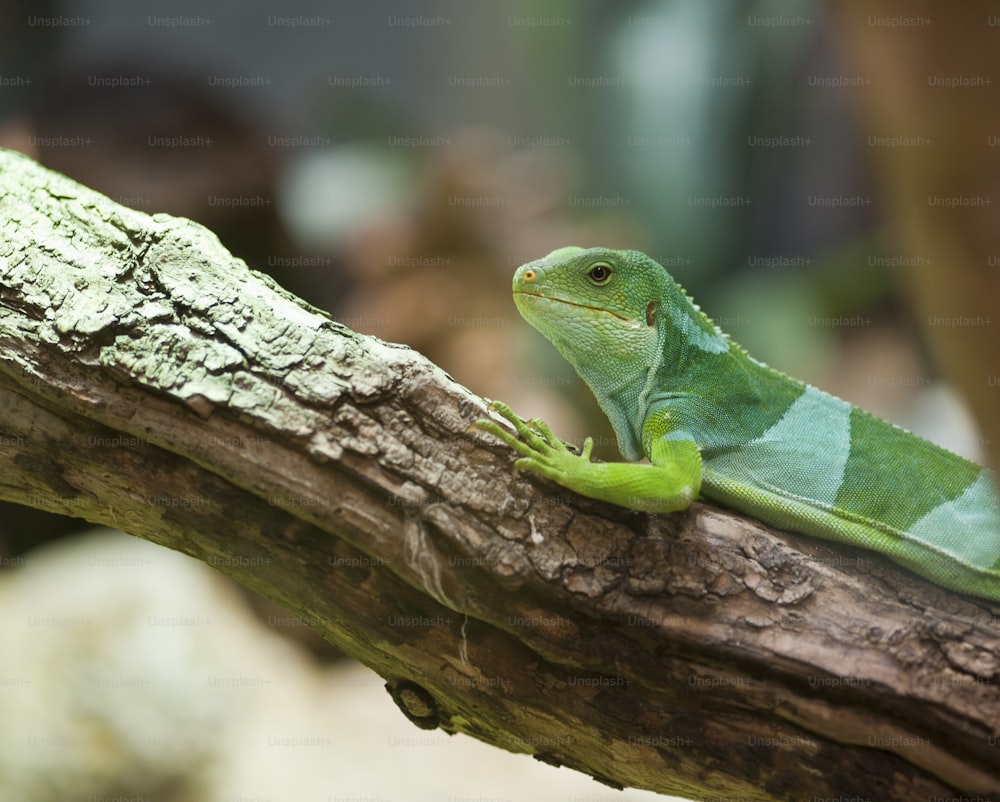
{"points": [[150, 381]]}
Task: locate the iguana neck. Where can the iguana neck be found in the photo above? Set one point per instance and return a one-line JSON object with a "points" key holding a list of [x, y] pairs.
{"points": [[686, 340], [622, 398]]}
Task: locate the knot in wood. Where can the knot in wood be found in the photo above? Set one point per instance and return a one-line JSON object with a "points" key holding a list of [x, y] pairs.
{"points": [[416, 703]]}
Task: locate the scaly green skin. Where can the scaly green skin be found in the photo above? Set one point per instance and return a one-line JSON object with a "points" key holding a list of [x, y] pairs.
{"points": [[713, 420]]}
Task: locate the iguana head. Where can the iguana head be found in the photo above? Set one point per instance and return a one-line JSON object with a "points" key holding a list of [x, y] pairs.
{"points": [[602, 309], [593, 304]]}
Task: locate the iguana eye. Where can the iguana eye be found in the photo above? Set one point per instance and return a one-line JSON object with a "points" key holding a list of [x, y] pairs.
{"points": [[600, 273]]}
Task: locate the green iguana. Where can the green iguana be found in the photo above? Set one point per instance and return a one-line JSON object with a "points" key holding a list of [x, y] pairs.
{"points": [[713, 420]]}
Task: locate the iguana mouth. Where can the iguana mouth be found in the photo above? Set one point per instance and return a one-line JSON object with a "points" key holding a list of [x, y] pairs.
{"points": [[574, 303]]}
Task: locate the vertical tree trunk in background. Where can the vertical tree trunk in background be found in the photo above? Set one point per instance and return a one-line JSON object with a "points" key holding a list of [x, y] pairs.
{"points": [[934, 73]]}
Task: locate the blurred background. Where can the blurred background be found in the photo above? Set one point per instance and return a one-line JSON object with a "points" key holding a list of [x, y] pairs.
{"points": [[819, 176]]}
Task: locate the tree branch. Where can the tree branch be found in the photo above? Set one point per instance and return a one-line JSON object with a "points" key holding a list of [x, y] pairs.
{"points": [[150, 381]]}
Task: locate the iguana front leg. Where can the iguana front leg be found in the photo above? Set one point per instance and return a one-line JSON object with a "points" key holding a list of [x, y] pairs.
{"points": [[669, 484]]}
